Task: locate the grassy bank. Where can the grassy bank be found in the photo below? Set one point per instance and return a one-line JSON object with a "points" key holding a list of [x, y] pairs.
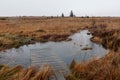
{"points": [[8, 41], [109, 38], [106, 68]]}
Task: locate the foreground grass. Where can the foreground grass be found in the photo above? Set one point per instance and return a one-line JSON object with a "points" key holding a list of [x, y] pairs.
{"points": [[19, 73], [106, 68]]}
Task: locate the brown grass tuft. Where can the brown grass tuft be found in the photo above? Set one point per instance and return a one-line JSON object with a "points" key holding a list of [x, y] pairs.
{"points": [[106, 68], [19, 73]]}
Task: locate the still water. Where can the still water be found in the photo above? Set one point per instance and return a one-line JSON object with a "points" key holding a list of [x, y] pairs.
{"points": [[61, 53]]}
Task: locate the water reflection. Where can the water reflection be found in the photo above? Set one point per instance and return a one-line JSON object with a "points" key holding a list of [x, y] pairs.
{"points": [[67, 51]]}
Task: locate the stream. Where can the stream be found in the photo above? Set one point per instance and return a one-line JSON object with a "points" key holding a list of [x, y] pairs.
{"points": [[57, 54]]}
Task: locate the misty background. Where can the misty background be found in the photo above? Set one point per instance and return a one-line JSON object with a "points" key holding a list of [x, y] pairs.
{"points": [[57, 7]]}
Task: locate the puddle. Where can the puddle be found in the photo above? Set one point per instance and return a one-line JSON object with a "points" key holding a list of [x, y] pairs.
{"points": [[54, 52]]}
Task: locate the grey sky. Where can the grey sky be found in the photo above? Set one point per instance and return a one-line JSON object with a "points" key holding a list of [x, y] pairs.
{"points": [[56, 7]]}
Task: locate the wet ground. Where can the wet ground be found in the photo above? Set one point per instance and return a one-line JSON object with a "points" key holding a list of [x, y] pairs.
{"points": [[57, 54]]}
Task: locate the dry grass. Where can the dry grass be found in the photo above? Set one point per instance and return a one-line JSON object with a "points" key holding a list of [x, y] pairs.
{"points": [[106, 68], [19, 73], [109, 38], [49, 29]]}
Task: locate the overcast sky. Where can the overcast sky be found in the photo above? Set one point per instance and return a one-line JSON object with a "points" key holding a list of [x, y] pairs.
{"points": [[56, 7]]}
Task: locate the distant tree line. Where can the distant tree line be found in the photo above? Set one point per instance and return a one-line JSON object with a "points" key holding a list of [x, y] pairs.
{"points": [[71, 14]]}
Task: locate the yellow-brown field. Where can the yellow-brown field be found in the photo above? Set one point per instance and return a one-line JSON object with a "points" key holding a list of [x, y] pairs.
{"points": [[17, 31]]}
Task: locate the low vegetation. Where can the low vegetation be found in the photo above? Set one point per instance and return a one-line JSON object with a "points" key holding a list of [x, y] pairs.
{"points": [[106, 68], [20, 73], [109, 38], [8, 41]]}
